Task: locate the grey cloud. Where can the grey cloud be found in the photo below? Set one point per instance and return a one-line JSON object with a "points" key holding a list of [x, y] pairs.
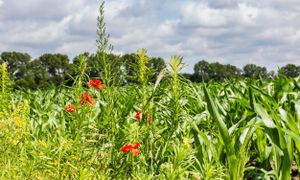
{"points": [[39, 26], [39, 10]]}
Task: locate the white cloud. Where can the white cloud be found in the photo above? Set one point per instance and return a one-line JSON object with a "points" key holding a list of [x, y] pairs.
{"points": [[39, 34], [113, 8], [46, 26], [74, 48], [199, 14]]}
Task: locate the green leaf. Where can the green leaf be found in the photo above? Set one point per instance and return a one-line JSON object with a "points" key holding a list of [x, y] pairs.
{"points": [[267, 120]]}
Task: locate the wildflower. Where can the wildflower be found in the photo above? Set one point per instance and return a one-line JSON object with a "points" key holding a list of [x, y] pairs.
{"points": [[138, 115], [70, 108], [26, 133], [86, 98], [55, 163], [14, 142], [126, 148], [135, 145], [42, 143], [97, 84], [20, 123], [132, 148], [73, 157], [135, 152]]}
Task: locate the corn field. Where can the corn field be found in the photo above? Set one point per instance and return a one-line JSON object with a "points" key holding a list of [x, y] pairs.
{"points": [[172, 129]]}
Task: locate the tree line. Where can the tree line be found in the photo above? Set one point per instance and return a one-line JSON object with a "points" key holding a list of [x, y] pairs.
{"points": [[205, 71], [51, 70], [57, 69]]}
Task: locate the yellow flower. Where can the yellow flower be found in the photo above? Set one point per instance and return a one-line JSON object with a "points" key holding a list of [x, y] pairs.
{"points": [[26, 133], [42, 143], [14, 142], [73, 157], [186, 143], [55, 163], [20, 123]]}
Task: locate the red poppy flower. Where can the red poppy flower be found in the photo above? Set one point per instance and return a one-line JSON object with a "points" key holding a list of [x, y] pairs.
{"points": [[135, 152], [138, 115], [126, 148], [132, 148], [97, 84], [135, 145], [70, 108], [86, 98]]}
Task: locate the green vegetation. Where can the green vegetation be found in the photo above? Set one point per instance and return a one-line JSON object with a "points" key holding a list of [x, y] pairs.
{"points": [[233, 130]]}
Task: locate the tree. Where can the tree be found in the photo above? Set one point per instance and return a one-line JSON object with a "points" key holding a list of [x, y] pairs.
{"points": [[36, 77], [92, 70], [189, 76], [16, 63], [56, 65], [291, 70], [202, 71], [231, 72], [156, 65], [130, 67], [271, 74], [217, 71], [255, 72]]}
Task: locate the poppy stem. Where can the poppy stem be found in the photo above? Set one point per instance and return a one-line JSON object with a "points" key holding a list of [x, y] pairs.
{"points": [[132, 163]]}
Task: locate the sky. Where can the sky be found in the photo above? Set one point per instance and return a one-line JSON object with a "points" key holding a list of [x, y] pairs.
{"points": [[237, 32]]}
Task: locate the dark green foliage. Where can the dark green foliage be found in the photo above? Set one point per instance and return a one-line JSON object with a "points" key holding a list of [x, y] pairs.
{"points": [[47, 70], [36, 76], [291, 70], [204, 71], [92, 64], [231, 72], [56, 65], [191, 77], [254, 71], [16, 64], [155, 65]]}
